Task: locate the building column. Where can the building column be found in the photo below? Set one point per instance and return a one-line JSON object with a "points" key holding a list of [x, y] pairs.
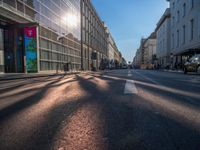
{"points": [[1, 51], [82, 61], [38, 49]]}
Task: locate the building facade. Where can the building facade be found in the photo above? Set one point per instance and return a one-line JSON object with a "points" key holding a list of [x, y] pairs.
{"points": [[163, 34], [118, 59], [139, 55], [137, 60], [111, 50], [39, 35], [185, 30], [94, 37], [46, 35], [149, 51], [114, 55], [145, 55]]}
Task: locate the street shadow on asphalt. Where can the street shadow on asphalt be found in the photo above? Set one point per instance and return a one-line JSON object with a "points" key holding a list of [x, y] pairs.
{"points": [[14, 87], [118, 116], [26, 102], [127, 125], [30, 81], [184, 136], [180, 94], [186, 98], [52, 84]]}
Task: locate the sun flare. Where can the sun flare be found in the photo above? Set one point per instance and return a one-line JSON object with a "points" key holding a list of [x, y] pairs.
{"points": [[71, 20]]}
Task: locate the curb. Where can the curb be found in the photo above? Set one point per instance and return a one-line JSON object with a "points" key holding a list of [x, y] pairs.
{"points": [[174, 71], [35, 76]]}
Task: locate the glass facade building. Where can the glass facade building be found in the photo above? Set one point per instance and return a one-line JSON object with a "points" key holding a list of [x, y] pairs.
{"points": [[52, 27]]}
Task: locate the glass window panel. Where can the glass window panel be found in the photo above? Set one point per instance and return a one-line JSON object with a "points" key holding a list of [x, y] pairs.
{"points": [[20, 7], [44, 44], [10, 3], [30, 12]]}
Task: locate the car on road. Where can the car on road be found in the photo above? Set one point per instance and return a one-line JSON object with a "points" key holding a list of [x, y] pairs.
{"points": [[193, 65], [125, 67]]}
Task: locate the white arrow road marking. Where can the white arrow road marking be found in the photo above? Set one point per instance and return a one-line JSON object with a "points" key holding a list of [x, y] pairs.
{"points": [[130, 87]]}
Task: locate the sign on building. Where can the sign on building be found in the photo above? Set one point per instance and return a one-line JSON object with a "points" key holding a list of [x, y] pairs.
{"points": [[30, 44]]}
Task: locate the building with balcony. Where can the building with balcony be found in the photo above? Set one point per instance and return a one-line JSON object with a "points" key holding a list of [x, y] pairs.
{"points": [[185, 30]]}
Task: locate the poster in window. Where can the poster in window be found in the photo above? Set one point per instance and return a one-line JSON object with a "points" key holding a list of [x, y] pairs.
{"points": [[30, 43]]}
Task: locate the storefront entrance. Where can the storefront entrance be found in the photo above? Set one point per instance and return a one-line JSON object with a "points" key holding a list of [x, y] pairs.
{"points": [[18, 43], [19, 48], [13, 50]]}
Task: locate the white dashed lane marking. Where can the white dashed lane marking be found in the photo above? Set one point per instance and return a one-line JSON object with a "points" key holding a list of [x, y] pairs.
{"points": [[130, 87], [129, 73]]}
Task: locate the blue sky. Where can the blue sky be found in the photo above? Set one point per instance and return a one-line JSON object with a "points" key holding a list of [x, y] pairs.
{"points": [[129, 20]]}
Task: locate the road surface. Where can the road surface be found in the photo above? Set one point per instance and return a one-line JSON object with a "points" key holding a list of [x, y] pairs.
{"points": [[111, 110]]}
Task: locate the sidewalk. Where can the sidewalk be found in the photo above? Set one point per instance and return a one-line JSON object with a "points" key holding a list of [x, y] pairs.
{"points": [[174, 71], [14, 76]]}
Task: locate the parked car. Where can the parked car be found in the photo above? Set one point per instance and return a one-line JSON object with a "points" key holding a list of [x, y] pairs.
{"points": [[193, 65]]}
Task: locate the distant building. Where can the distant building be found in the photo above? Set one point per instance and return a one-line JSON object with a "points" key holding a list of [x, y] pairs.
{"points": [[149, 50], [185, 30], [139, 59], [118, 59], [145, 55], [114, 55], [112, 48], [163, 34], [124, 61]]}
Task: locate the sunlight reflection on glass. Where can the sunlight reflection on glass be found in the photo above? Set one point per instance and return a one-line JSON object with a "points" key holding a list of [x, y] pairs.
{"points": [[71, 20]]}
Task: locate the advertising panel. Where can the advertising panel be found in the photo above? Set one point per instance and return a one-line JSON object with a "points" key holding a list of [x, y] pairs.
{"points": [[30, 44]]}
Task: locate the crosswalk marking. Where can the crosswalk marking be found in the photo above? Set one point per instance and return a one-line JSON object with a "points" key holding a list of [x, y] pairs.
{"points": [[130, 87]]}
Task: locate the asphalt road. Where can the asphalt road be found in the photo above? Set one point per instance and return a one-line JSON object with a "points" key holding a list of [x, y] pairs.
{"points": [[112, 110]]}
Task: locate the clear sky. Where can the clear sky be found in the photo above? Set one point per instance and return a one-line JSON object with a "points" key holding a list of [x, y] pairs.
{"points": [[130, 20]]}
